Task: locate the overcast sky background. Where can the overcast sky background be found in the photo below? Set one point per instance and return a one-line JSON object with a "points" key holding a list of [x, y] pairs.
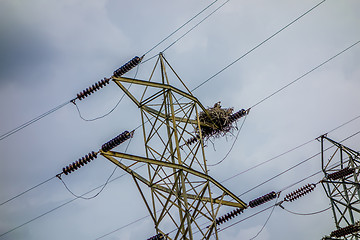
{"points": [[51, 50]]}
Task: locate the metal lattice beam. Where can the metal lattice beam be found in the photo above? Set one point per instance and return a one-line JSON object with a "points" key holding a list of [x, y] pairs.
{"points": [[176, 188], [341, 184]]}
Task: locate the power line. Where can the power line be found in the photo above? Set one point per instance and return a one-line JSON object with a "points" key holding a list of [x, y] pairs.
{"points": [[62, 205], [305, 74], [112, 110], [312, 175], [345, 123], [187, 32], [232, 146], [195, 26], [180, 27], [296, 165], [277, 204], [269, 160], [97, 118], [267, 220], [20, 194], [281, 173], [297, 79], [122, 227], [222, 181], [264, 209], [288, 151], [305, 214], [104, 185], [257, 46], [62, 105], [5, 135], [336, 128], [73, 100], [43, 115], [120, 100]]}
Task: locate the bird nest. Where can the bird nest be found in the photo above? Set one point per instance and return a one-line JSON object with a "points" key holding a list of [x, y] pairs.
{"points": [[215, 121]]}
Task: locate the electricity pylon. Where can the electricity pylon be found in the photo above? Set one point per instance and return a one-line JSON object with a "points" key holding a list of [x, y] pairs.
{"points": [[182, 198], [341, 184]]}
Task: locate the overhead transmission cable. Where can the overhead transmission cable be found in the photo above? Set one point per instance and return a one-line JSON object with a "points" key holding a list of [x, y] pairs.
{"points": [[261, 43], [167, 37], [277, 91], [28, 190], [307, 73], [334, 129], [323, 63], [267, 220], [9, 133], [298, 193], [296, 165], [122, 227], [267, 39], [108, 113], [66, 203], [206, 17], [283, 172], [304, 214], [288, 151], [310, 176], [104, 185], [22, 126], [232, 146], [62, 105]]}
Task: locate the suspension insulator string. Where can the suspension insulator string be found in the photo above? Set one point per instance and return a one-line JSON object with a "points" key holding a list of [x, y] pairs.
{"points": [[239, 114], [78, 164], [102, 83], [117, 141], [261, 200], [300, 192], [345, 231], [228, 216], [92, 89], [159, 236], [340, 174], [92, 155], [127, 66]]}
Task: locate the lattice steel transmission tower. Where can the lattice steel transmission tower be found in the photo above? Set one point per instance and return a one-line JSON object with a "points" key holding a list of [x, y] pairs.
{"points": [[182, 198], [341, 184]]}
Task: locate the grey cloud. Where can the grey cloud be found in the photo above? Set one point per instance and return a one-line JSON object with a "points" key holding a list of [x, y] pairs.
{"points": [[23, 48]]}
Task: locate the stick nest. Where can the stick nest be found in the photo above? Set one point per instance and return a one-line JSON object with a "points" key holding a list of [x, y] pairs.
{"points": [[215, 122]]}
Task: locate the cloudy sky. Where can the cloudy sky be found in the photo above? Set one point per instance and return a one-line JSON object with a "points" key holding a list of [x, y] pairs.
{"points": [[51, 50]]}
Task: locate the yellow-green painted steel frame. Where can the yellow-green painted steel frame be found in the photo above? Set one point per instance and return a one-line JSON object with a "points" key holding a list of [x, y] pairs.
{"points": [[344, 193], [175, 172], [111, 156]]}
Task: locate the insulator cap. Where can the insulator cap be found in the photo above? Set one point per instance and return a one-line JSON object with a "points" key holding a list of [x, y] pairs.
{"points": [[340, 174], [159, 236], [127, 66], [93, 88], [116, 141], [263, 199], [300, 192], [78, 164], [236, 116], [345, 231], [228, 216]]}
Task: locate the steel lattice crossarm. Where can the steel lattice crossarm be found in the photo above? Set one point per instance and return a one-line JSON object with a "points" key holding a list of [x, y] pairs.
{"points": [[341, 184], [176, 188]]}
